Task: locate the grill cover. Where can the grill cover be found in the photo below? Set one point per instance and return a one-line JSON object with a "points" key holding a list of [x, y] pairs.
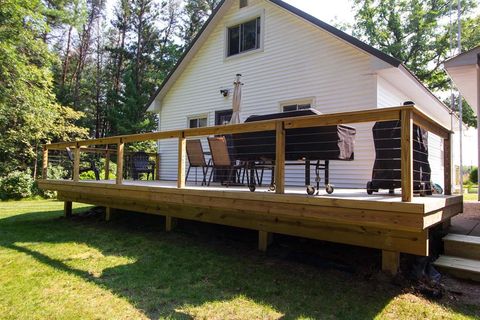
{"points": [[387, 167], [315, 143]]}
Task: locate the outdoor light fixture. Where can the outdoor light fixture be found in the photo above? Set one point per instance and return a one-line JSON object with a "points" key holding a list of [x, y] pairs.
{"points": [[224, 92]]}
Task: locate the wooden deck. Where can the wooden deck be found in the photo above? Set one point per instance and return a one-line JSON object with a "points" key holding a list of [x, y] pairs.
{"points": [[392, 223], [347, 216]]}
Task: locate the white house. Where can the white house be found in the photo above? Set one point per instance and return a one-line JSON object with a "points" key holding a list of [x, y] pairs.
{"points": [[288, 59], [464, 69]]}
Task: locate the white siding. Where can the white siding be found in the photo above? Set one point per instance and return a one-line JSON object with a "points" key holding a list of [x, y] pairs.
{"points": [[298, 60], [388, 95]]}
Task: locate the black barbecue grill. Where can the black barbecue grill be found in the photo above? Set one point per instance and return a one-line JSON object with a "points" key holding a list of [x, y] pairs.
{"points": [[313, 146], [387, 167]]}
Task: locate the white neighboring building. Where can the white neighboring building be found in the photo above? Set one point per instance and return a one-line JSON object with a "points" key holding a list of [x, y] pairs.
{"points": [[287, 58]]}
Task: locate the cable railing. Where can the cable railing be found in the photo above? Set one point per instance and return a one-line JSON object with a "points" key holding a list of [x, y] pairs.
{"points": [[280, 130]]}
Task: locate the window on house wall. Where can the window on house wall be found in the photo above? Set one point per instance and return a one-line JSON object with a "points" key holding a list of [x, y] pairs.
{"points": [[197, 122], [295, 106], [244, 37]]}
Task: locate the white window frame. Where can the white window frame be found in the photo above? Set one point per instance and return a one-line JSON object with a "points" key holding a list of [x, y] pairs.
{"points": [[197, 117], [246, 16], [309, 100]]}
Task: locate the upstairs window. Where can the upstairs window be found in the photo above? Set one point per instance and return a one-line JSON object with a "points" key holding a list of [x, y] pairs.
{"points": [[244, 37], [197, 122]]}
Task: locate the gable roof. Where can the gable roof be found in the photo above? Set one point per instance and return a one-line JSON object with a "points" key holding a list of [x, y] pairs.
{"points": [[325, 26]]}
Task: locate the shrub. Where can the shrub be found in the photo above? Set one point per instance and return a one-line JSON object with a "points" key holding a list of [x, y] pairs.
{"points": [[16, 185], [474, 175], [57, 172]]}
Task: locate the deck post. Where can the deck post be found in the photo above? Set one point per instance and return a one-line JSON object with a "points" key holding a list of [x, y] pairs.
{"points": [[447, 165], [280, 158], [157, 166], [107, 164], [407, 155], [109, 211], [120, 149], [182, 151], [45, 163], [170, 223], [264, 240], [67, 208], [76, 163], [390, 261]]}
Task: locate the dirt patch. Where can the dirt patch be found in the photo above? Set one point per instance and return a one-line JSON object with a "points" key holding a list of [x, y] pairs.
{"points": [[462, 291]]}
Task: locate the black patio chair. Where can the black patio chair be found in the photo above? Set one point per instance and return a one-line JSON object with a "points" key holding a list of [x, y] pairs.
{"points": [[91, 164], [141, 164]]}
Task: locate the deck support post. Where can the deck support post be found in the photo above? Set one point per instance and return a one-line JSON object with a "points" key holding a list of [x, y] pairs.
{"points": [[447, 165], [182, 151], [390, 261], [120, 149], [264, 240], [109, 211], [280, 158], [407, 155], [76, 163], [67, 208], [170, 223], [45, 163]]}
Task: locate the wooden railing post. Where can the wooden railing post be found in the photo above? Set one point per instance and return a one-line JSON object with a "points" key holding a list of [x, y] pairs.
{"points": [[120, 149], [407, 155], [107, 164], [45, 162], [447, 165], [182, 150], [157, 166], [280, 158], [76, 163]]}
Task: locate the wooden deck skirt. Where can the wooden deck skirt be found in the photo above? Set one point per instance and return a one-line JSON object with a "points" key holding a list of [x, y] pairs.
{"points": [[350, 217]]}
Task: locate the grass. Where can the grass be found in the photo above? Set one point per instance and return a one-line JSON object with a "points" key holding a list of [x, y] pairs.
{"points": [[85, 268], [470, 197]]}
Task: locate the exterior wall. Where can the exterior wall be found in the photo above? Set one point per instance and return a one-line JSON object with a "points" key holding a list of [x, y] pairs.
{"points": [[388, 95], [298, 61]]}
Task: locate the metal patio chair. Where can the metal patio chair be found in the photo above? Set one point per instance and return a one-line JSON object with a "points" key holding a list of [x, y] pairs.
{"points": [[221, 160], [196, 159]]}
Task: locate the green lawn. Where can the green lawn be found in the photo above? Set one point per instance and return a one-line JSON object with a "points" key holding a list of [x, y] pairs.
{"points": [[85, 268], [470, 197]]}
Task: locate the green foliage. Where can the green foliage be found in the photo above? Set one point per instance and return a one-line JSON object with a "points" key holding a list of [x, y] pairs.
{"points": [[146, 146], [410, 30], [29, 114], [474, 175], [16, 185], [417, 33]]}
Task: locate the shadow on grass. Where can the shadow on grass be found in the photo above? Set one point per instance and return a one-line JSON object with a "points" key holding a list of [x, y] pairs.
{"points": [[199, 264]]}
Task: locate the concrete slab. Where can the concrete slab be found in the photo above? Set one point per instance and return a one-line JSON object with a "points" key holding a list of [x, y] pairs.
{"points": [[476, 231], [462, 225]]}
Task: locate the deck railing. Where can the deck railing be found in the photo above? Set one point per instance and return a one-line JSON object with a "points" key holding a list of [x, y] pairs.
{"points": [[408, 115]]}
